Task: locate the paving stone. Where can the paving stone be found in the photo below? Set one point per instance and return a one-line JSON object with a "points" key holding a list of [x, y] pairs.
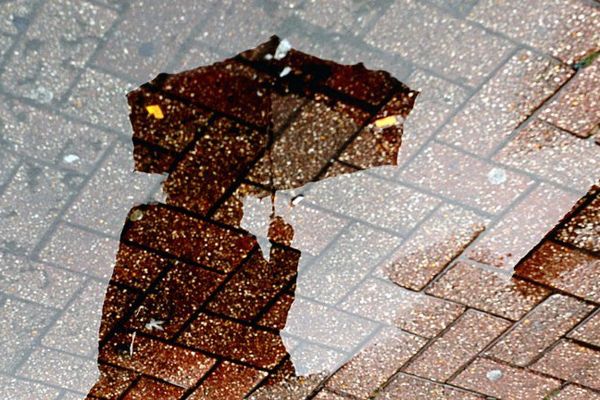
{"points": [[463, 178], [69, 246], [573, 363], [235, 341], [459, 7], [67, 371], [117, 304], [149, 37], [565, 29], [228, 381], [73, 32], [460, 343], [380, 359], [170, 363], [22, 324], [344, 17], [376, 201], [147, 388], [327, 326], [76, 330], [327, 395], [565, 269], [30, 203], [388, 303], [575, 109], [99, 98], [487, 290], [19, 389], [461, 51], [583, 229], [543, 150], [18, 13], [107, 197], [538, 330], [588, 331], [436, 101], [506, 243], [308, 357], [432, 246], [112, 382], [503, 102], [502, 381], [37, 282], [572, 392], [194, 55], [407, 387], [334, 275], [49, 137]]}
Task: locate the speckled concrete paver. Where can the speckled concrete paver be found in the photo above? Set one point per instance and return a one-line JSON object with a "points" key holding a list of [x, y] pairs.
{"points": [[507, 104]]}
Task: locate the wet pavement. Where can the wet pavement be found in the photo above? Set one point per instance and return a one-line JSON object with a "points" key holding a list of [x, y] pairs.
{"points": [[445, 276]]}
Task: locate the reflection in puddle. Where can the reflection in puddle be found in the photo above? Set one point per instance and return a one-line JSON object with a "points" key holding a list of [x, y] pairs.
{"points": [[289, 242]]}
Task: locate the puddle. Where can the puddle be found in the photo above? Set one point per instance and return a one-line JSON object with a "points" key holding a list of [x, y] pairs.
{"points": [[295, 235]]}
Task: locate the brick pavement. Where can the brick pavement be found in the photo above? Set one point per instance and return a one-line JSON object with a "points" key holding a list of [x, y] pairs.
{"points": [[65, 218]]}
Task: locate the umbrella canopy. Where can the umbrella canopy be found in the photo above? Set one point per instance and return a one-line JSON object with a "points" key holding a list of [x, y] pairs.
{"points": [[272, 116]]}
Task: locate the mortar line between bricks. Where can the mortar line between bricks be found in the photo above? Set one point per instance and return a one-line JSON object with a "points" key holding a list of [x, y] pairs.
{"points": [[26, 158], [11, 175], [47, 234], [470, 95], [89, 356], [264, 380], [201, 381], [581, 323], [43, 383], [128, 389], [554, 289], [449, 385], [590, 253], [37, 342]]}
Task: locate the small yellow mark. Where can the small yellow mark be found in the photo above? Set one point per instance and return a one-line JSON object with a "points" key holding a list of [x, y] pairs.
{"points": [[386, 122], [155, 111]]}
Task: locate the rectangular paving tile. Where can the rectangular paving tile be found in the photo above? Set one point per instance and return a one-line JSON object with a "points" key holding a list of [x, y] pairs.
{"points": [[97, 206], [385, 302], [459, 50], [235, 341], [228, 381], [70, 246], [572, 362], [407, 387], [76, 329], [170, 363], [502, 381], [589, 330], [463, 178], [565, 29], [563, 268], [34, 71], [49, 137], [573, 392], [379, 202], [581, 230], [487, 290], [149, 37], [20, 389], [432, 246], [505, 101], [37, 282], [538, 330], [461, 342], [22, 323], [381, 358], [147, 388], [542, 149], [331, 277], [61, 371], [30, 203], [112, 382], [575, 109], [436, 101], [523, 227]]}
